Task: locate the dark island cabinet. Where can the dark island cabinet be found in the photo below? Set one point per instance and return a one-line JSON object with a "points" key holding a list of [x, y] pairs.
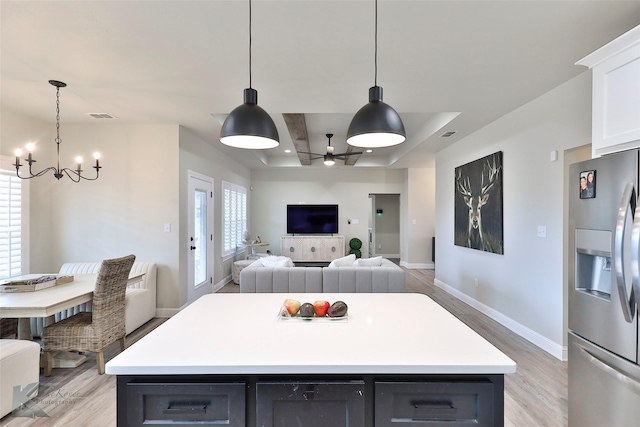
{"points": [[379, 400]]}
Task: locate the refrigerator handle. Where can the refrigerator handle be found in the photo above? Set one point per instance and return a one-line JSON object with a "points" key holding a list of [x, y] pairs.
{"points": [[635, 257], [609, 370], [627, 302]]}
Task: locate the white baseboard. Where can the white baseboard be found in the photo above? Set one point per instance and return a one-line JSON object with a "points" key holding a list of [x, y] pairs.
{"points": [[553, 348], [220, 284], [386, 255], [418, 266], [168, 312]]}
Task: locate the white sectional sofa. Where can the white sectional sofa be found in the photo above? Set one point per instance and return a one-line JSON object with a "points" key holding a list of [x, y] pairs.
{"points": [[383, 276], [140, 297]]}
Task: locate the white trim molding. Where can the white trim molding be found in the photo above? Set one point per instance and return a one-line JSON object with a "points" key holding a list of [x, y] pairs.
{"points": [[553, 348], [418, 266]]}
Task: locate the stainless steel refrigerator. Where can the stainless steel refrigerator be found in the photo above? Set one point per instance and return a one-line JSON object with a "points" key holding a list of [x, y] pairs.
{"points": [[604, 292]]}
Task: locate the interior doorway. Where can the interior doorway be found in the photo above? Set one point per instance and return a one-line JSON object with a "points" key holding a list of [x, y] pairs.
{"points": [[384, 225], [200, 245]]}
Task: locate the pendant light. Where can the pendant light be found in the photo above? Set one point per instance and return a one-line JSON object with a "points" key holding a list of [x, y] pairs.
{"points": [[249, 126], [376, 124]]}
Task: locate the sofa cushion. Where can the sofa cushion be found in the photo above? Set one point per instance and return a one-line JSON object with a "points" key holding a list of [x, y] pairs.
{"points": [[346, 261], [281, 279], [368, 262]]}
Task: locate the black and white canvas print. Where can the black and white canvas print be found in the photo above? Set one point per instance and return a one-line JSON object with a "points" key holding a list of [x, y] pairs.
{"points": [[478, 204]]}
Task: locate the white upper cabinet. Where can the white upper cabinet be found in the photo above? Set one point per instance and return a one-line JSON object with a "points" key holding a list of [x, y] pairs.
{"points": [[616, 94]]}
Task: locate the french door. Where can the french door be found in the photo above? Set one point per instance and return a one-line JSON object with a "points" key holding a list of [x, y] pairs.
{"points": [[200, 244]]}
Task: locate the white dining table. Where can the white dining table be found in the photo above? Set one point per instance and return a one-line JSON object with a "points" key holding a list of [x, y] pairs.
{"points": [[47, 302]]}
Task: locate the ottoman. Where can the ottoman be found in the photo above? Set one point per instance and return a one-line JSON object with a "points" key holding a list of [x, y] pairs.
{"points": [[238, 266], [19, 366]]}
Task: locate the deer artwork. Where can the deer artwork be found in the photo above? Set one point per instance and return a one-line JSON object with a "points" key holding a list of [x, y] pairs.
{"points": [[490, 171]]}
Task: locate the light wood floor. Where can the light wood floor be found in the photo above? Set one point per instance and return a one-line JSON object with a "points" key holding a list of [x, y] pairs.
{"points": [[535, 396]]}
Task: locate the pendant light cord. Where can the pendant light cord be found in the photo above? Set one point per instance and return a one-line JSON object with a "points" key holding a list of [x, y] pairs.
{"points": [[58, 140], [376, 48], [250, 44]]}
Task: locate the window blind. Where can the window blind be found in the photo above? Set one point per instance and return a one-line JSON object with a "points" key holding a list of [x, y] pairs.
{"points": [[235, 216], [11, 188]]}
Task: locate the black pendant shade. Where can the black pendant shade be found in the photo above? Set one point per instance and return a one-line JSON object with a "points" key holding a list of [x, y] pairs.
{"points": [[249, 126], [376, 124]]}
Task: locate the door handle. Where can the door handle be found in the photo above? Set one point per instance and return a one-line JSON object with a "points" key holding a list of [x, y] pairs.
{"points": [[193, 247], [627, 302]]}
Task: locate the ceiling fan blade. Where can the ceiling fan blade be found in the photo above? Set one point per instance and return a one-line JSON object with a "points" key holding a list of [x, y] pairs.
{"points": [[313, 154], [352, 153]]}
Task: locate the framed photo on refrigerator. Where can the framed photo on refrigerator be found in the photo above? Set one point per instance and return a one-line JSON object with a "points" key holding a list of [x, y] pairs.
{"points": [[588, 184]]}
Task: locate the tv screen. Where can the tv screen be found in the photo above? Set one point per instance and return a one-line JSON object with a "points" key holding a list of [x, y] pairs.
{"points": [[312, 219]]}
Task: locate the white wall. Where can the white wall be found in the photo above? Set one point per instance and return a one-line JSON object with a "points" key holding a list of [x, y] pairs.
{"points": [[524, 287], [200, 156], [421, 209], [273, 189], [125, 210]]}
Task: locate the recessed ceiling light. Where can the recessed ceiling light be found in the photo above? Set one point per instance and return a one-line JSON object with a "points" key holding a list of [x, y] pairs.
{"points": [[287, 151], [368, 151]]}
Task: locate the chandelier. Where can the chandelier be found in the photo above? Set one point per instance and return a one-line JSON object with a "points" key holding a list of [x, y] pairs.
{"points": [[74, 174]]}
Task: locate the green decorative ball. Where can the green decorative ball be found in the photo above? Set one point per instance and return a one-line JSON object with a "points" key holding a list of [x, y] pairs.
{"points": [[355, 243], [356, 252]]}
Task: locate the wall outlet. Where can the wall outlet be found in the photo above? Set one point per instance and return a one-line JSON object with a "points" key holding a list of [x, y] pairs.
{"points": [[542, 231], [379, 245], [475, 281], [167, 227]]}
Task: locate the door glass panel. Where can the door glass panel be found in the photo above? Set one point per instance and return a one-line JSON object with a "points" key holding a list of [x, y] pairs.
{"points": [[200, 239]]}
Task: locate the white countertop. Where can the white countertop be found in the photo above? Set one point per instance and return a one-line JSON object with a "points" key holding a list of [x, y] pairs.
{"points": [[241, 334]]}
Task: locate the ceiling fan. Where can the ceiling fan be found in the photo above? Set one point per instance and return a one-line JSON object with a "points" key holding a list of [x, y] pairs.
{"points": [[329, 158]]}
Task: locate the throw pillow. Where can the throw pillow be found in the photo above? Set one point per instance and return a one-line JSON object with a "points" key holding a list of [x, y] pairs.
{"points": [[272, 261], [368, 262], [346, 261]]}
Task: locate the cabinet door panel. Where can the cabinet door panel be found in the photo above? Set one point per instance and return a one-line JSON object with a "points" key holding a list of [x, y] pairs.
{"points": [[434, 404], [310, 404], [186, 404]]}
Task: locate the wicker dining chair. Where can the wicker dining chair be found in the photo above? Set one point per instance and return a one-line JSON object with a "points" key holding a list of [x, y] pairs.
{"points": [[8, 327], [93, 331]]}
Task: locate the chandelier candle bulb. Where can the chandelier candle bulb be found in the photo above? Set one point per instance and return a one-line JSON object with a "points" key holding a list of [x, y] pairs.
{"points": [[18, 153], [79, 162]]}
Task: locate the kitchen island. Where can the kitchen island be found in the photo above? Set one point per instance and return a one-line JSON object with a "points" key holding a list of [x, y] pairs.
{"points": [[229, 358]]}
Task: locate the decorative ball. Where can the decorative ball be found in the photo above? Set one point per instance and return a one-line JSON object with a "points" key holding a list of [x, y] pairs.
{"points": [[355, 243], [356, 252]]}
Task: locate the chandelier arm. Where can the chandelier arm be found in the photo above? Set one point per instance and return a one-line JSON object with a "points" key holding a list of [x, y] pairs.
{"points": [[32, 175], [76, 176], [73, 176]]}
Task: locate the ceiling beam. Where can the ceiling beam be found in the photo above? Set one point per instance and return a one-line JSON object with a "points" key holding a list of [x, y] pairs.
{"points": [[298, 131]]}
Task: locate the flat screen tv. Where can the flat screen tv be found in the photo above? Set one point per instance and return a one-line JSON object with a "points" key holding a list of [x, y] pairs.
{"points": [[312, 219]]}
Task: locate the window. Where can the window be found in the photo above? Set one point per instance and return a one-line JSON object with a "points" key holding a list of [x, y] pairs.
{"points": [[235, 217], [14, 225]]}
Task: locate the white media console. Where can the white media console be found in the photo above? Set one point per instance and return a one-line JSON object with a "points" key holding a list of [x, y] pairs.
{"points": [[313, 248]]}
